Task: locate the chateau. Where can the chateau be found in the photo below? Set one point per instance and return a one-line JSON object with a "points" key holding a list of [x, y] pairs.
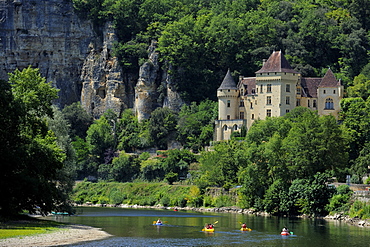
{"points": [[276, 90]]}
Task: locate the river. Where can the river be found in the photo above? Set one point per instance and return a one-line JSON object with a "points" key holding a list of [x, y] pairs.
{"points": [[134, 227]]}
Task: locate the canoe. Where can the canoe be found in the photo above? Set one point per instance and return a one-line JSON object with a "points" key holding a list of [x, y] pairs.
{"points": [[245, 229], [285, 233], [208, 230]]}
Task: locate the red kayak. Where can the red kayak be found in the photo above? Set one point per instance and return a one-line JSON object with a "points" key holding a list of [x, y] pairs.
{"points": [[285, 233]]}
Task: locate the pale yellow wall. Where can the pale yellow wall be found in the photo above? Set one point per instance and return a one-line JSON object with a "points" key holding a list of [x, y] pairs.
{"points": [[324, 94], [223, 96]]}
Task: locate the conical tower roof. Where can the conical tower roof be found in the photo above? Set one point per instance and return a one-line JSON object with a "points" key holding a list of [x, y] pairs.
{"points": [[276, 63], [228, 82], [329, 80]]}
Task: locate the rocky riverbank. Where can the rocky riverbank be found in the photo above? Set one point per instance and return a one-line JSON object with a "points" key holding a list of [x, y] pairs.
{"points": [[66, 235]]}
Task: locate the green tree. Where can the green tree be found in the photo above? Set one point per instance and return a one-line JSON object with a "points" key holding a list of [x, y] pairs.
{"points": [[78, 118], [162, 125], [37, 160]]}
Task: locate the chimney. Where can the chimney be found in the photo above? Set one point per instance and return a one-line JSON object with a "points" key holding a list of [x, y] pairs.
{"points": [[263, 62]]}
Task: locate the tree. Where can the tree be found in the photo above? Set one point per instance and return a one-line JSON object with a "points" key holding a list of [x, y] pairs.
{"points": [[79, 120], [162, 125], [30, 176]]}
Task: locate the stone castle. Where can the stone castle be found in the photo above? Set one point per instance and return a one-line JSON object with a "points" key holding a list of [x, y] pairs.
{"points": [[276, 90]]}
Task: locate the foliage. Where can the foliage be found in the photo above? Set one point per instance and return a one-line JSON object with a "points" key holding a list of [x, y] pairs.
{"points": [[36, 154], [78, 119], [161, 126], [360, 210]]}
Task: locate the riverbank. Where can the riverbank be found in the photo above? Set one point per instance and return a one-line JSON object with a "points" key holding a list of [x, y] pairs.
{"points": [[65, 235]]}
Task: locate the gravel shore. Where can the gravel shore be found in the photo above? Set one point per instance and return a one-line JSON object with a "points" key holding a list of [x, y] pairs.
{"points": [[69, 234]]}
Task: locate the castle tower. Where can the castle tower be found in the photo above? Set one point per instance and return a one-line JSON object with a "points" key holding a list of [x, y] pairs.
{"points": [[228, 104], [227, 95], [276, 87], [329, 94]]}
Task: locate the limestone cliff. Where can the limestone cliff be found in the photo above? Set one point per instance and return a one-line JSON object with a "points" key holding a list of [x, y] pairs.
{"points": [[48, 35]]}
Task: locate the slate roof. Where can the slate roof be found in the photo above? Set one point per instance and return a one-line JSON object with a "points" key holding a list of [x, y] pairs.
{"points": [[309, 86], [249, 85], [228, 82], [276, 63], [329, 80]]}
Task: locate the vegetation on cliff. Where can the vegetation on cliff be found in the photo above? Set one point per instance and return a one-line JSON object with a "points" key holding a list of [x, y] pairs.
{"points": [[201, 39]]}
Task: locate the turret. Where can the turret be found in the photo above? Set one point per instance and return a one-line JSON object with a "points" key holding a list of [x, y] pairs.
{"points": [[227, 95]]}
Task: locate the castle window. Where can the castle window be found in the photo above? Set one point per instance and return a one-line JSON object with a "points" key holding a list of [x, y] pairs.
{"points": [[242, 103], [287, 100], [298, 90], [287, 111], [308, 103], [253, 91], [228, 103], [324, 91], [242, 91], [268, 113], [314, 103], [235, 127], [334, 91], [251, 105], [252, 117], [228, 117], [268, 100], [228, 90], [241, 115], [225, 127], [298, 103], [261, 89], [287, 88], [269, 88], [329, 104]]}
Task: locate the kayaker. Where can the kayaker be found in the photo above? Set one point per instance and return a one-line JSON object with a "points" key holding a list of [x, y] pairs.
{"points": [[210, 226], [244, 225], [159, 221], [285, 229]]}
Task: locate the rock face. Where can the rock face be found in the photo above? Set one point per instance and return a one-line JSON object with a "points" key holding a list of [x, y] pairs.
{"points": [[104, 86], [48, 35]]}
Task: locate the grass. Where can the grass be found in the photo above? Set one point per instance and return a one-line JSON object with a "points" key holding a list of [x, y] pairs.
{"points": [[22, 225]]}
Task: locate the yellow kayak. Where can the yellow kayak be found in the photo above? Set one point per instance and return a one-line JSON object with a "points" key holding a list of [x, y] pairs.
{"points": [[245, 229], [208, 230]]}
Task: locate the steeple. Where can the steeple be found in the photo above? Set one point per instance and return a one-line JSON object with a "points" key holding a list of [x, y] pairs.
{"points": [[276, 63], [228, 82]]}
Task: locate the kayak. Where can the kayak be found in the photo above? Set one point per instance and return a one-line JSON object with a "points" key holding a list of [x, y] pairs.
{"points": [[208, 230], [158, 224], [245, 229], [285, 233]]}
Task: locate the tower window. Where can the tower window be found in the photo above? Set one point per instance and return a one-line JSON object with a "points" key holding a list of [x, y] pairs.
{"points": [[269, 88], [228, 103], [241, 115], [287, 88], [268, 100], [324, 91], [261, 89], [299, 91], [334, 91], [268, 113], [242, 103], [308, 103], [225, 127], [252, 117], [287, 100], [314, 103], [298, 103], [228, 117], [329, 104]]}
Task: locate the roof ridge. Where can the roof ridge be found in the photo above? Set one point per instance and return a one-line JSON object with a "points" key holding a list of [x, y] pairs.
{"points": [[228, 82]]}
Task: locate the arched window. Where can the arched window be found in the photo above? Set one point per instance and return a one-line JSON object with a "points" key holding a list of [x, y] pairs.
{"points": [[235, 127], [225, 127], [329, 105]]}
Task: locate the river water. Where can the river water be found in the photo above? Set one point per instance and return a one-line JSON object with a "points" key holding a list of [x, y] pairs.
{"points": [[134, 227]]}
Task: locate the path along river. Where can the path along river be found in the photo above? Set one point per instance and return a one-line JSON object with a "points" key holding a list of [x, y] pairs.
{"points": [[134, 227]]}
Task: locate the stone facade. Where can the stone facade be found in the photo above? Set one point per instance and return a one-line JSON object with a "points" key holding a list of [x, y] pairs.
{"points": [[276, 90]]}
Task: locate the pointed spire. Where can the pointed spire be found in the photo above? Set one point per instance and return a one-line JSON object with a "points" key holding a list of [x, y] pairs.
{"points": [[277, 63], [228, 82], [329, 80]]}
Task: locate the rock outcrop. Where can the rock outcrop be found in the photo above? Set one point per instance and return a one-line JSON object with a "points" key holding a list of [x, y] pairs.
{"points": [[104, 86], [48, 35]]}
